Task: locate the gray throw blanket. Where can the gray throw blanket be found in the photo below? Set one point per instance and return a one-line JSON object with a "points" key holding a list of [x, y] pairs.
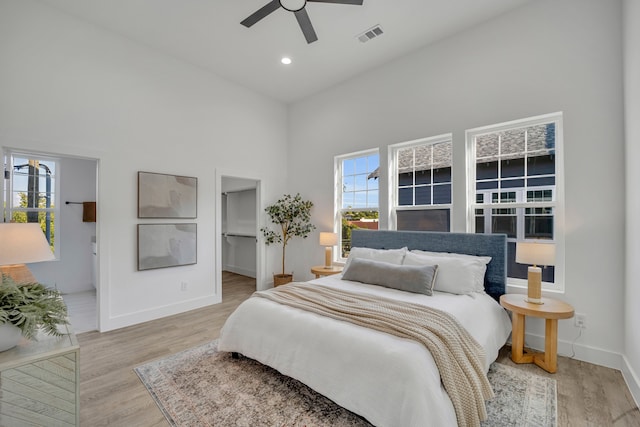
{"points": [[458, 356]]}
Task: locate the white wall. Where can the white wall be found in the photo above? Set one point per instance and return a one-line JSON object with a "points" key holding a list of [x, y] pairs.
{"points": [[632, 145], [73, 89], [72, 272], [545, 57]]}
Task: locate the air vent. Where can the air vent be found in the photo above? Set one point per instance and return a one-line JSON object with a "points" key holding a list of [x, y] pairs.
{"points": [[371, 33]]}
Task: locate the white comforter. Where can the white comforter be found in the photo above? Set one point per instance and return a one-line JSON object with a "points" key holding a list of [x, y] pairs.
{"points": [[388, 380]]}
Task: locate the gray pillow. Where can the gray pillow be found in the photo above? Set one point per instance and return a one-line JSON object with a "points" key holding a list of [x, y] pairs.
{"points": [[411, 278]]}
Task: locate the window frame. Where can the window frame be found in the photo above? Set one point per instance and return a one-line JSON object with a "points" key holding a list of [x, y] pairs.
{"points": [[392, 167], [338, 193], [520, 205], [8, 189], [558, 204]]}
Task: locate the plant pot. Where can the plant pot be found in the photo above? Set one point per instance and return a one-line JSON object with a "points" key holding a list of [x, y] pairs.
{"points": [[10, 336], [282, 279]]}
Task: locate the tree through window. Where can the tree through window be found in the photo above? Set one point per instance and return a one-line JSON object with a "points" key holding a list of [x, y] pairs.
{"points": [[31, 192], [357, 188]]}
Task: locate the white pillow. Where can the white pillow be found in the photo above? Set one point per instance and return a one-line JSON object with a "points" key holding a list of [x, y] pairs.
{"points": [[483, 260], [392, 256], [456, 275]]}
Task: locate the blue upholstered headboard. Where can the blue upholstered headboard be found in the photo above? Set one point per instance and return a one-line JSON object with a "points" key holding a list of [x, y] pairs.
{"points": [[493, 245]]}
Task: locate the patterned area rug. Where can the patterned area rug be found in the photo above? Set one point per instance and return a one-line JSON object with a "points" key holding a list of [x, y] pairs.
{"points": [[204, 387]]}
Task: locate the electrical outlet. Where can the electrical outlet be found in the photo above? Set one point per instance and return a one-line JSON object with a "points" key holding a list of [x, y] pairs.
{"points": [[580, 321], [184, 286]]}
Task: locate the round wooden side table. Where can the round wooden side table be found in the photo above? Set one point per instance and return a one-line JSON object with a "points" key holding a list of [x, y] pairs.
{"points": [[321, 270], [551, 310]]}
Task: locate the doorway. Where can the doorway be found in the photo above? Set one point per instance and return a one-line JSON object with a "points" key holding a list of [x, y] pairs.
{"points": [[239, 202], [60, 193]]}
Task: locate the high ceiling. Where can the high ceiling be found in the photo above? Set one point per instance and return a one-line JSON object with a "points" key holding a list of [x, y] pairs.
{"points": [[207, 33]]}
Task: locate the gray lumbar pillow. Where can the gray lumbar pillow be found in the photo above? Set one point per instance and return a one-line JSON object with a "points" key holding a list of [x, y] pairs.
{"points": [[411, 278]]}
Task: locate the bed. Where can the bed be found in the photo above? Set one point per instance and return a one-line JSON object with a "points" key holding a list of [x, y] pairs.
{"points": [[388, 380]]}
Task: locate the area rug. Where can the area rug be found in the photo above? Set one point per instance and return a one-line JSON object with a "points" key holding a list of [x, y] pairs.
{"points": [[204, 387]]}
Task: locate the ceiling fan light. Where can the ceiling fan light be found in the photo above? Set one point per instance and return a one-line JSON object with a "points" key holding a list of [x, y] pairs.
{"points": [[293, 5]]}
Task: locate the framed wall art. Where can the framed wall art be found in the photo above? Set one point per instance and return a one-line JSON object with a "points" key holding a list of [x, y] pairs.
{"points": [[167, 196], [166, 245]]}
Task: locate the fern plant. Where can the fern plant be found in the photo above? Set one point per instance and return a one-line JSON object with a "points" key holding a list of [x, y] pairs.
{"points": [[30, 306]]}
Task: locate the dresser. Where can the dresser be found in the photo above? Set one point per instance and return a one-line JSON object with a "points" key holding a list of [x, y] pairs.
{"points": [[40, 382]]}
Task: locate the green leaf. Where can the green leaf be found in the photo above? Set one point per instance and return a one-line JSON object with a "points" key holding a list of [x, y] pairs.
{"points": [[292, 215], [31, 306]]}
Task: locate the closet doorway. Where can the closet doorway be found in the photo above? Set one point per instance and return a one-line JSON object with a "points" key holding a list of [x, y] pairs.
{"points": [[239, 203]]}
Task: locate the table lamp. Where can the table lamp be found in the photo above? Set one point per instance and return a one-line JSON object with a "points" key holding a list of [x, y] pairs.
{"points": [[329, 240], [535, 254], [22, 243]]}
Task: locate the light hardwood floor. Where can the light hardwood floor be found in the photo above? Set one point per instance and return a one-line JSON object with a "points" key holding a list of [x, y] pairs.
{"points": [[82, 311], [112, 395]]}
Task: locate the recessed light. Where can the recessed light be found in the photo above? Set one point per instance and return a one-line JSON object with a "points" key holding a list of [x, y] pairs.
{"points": [[286, 60]]}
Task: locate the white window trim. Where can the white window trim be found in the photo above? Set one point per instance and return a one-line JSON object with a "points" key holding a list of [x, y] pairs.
{"points": [[392, 162], [337, 203], [8, 196], [559, 208]]}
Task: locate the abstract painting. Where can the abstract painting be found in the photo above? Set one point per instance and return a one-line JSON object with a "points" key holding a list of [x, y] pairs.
{"points": [[166, 245], [167, 196]]}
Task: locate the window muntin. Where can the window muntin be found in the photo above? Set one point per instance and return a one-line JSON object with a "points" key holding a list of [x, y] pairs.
{"points": [[420, 176], [513, 176], [359, 189], [357, 193], [31, 192]]}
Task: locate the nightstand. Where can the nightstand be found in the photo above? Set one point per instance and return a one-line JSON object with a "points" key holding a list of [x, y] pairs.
{"points": [[40, 381], [551, 311], [321, 270]]}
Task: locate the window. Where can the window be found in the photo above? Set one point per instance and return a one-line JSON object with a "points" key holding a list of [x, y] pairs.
{"points": [[30, 192], [357, 195], [515, 186], [421, 183]]}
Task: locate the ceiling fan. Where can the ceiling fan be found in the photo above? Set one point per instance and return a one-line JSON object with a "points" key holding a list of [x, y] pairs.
{"points": [[298, 8]]}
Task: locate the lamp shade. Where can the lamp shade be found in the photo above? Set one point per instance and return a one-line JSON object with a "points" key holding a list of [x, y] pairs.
{"points": [[536, 253], [328, 239], [23, 243]]}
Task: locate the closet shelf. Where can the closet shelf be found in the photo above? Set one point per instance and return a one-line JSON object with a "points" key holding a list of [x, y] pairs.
{"points": [[253, 236]]}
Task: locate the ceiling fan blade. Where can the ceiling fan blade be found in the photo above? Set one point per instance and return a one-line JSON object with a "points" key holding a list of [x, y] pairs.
{"points": [[261, 13], [356, 2], [305, 26]]}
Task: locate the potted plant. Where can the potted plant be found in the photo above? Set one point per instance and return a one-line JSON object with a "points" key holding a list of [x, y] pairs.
{"points": [[291, 215], [26, 307]]}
